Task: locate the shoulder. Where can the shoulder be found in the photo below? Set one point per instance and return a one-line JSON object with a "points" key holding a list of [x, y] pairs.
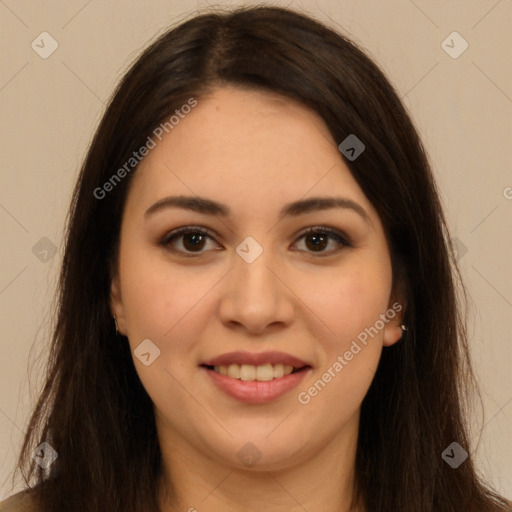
{"points": [[20, 502]]}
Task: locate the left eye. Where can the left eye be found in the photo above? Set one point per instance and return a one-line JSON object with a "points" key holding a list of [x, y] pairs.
{"points": [[193, 240], [319, 238]]}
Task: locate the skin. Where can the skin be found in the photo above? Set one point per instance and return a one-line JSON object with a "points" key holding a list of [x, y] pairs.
{"points": [[254, 152]]}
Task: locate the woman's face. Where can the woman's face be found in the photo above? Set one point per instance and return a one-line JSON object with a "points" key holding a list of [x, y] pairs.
{"points": [[256, 295]]}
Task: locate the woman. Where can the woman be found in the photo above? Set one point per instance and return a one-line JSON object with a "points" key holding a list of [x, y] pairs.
{"points": [[257, 299]]}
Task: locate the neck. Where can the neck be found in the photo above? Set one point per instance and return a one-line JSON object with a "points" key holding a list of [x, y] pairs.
{"points": [[194, 482]]}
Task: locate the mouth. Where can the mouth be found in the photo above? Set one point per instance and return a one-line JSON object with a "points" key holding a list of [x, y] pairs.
{"points": [[261, 373], [255, 378]]}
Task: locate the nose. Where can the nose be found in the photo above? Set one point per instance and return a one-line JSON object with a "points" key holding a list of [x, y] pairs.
{"points": [[256, 296]]}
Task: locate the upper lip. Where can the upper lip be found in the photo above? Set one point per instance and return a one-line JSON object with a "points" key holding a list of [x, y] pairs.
{"points": [[258, 359]]}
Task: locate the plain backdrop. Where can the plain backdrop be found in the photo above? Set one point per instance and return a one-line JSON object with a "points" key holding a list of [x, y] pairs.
{"points": [[460, 99]]}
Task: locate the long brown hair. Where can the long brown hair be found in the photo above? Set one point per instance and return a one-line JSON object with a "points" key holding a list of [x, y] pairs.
{"points": [[93, 409]]}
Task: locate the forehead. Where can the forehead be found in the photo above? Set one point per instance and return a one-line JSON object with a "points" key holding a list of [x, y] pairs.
{"points": [[247, 147]]}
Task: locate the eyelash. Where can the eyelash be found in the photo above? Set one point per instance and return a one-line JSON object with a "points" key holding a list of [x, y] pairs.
{"points": [[339, 237]]}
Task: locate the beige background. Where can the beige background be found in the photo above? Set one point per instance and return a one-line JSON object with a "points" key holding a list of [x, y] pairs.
{"points": [[50, 108]]}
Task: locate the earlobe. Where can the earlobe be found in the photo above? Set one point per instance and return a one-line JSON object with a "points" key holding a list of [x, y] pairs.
{"points": [[393, 334]]}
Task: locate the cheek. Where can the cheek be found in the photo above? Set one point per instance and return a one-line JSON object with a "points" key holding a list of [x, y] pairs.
{"points": [[352, 298], [163, 304], [155, 294], [166, 304], [349, 355]]}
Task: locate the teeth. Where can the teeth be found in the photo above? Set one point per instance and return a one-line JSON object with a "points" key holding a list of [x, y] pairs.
{"points": [[265, 372], [247, 372], [234, 371]]}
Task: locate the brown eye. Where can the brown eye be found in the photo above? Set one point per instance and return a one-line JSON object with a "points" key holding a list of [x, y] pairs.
{"points": [[317, 239], [193, 241], [187, 240]]}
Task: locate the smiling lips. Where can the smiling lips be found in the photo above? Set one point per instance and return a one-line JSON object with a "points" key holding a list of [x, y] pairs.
{"points": [[256, 378]]}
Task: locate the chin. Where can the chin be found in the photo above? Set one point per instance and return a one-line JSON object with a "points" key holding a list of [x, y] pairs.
{"points": [[255, 450]]}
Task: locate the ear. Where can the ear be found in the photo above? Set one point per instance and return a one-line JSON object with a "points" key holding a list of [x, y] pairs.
{"points": [[397, 305], [393, 329], [116, 305]]}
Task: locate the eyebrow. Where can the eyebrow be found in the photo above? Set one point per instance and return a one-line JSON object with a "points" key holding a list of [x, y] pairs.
{"points": [[294, 209]]}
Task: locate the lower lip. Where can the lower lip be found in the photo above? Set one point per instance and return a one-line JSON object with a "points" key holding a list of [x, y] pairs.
{"points": [[256, 392]]}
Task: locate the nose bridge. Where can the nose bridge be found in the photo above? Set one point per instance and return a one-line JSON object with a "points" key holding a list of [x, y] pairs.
{"points": [[252, 268], [255, 297]]}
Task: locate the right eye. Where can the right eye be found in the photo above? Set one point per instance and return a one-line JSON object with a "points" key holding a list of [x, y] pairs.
{"points": [[191, 239]]}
